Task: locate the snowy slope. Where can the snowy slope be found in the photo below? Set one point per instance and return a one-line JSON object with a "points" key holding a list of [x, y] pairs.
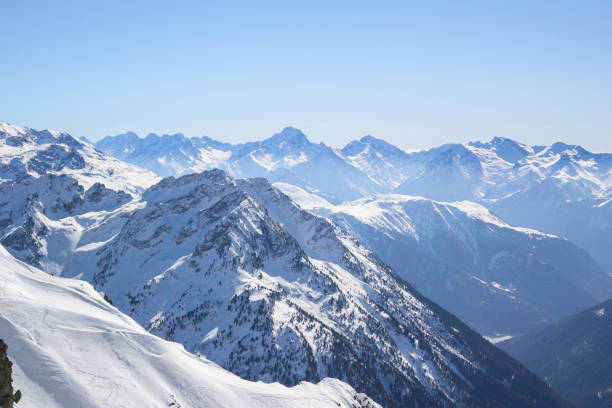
{"points": [[70, 348], [26, 152], [503, 167], [498, 278], [475, 171], [166, 154], [233, 269]]}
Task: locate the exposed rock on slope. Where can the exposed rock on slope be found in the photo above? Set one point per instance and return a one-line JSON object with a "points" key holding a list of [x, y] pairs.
{"points": [[43, 220], [7, 396]]}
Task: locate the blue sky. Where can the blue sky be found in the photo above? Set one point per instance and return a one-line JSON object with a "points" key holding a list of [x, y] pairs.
{"points": [[417, 74]]}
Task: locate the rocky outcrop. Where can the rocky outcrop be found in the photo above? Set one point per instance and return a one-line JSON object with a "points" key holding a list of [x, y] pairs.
{"points": [[7, 397]]}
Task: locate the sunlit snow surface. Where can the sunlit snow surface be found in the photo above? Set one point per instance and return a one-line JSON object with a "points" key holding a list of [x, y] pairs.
{"points": [[70, 348]]}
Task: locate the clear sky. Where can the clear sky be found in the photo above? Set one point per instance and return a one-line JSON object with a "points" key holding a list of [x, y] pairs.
{"points": [[417, 74]]}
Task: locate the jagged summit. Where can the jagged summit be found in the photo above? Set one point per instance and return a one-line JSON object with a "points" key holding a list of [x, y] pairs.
{"points": [[18, 135], [288, 135], [368, 140], [176, 186]]}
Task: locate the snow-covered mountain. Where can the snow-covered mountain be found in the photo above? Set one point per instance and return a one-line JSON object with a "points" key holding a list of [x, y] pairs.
{"points": [[56, 187], [384, 163], [71, 348], [28, 153], [287, 156], [559, 189], [233, 269], [44, 220], [500, 279]]}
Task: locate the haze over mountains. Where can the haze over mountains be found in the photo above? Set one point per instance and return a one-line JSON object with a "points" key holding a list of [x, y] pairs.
{"points": [[559, 189], [501, 279], [319, 269]]}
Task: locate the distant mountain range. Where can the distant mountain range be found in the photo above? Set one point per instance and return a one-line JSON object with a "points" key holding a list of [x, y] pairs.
{"points": [[559, 189], [573, 355], [235, 270]]}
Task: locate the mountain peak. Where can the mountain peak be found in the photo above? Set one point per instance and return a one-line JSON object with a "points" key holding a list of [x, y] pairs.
{"points": [[289, 135], [559, 147], [370, 139], [508, 149], [129, 135], [379, 145], [11, 130], [497, 140], [173, 186]]}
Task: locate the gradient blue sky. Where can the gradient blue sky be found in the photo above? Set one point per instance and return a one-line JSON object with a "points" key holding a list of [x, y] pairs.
{"points": [[417, 74]]}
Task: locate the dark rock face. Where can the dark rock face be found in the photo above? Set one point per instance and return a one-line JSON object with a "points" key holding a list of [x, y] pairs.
{"points": [[27, 241], [56, 158], [7, 397]]}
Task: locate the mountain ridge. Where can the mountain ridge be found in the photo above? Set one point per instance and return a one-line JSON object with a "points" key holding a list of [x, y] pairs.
{"points": [[470, 261], [562, 189]]}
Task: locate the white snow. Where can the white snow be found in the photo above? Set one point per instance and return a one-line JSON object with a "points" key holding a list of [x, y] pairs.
{"points": [[388, 211], [99, 167], [70, 348], [498, 338]]}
